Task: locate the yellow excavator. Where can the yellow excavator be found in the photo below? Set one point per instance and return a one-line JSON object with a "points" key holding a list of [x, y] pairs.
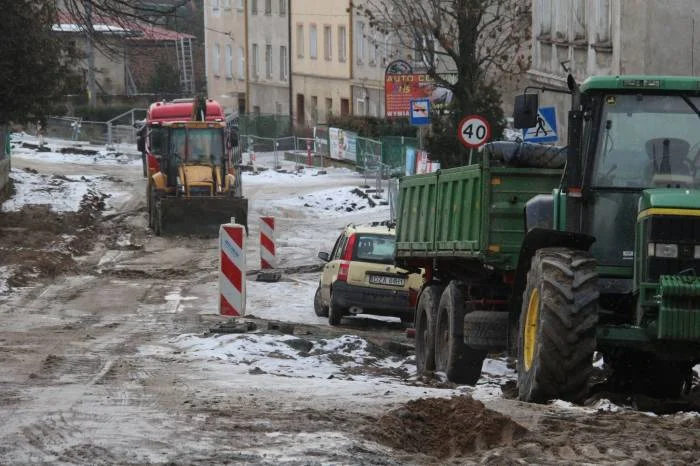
{"points": [[194, 185]]}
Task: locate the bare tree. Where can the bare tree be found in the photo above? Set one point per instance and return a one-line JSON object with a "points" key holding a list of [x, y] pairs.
{"points": [[466, 46], [115, 17]]}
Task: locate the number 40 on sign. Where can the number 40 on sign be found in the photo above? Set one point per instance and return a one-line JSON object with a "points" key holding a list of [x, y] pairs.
{"points": [[473, 131]]}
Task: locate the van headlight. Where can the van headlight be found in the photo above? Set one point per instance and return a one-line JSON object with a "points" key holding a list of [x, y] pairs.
{"points": [[665, 250]]}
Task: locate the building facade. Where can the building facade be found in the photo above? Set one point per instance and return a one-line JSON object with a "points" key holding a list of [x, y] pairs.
{"points": [[268, 52], [321, 60], [610, 37], [372, 52], [225, 56]]}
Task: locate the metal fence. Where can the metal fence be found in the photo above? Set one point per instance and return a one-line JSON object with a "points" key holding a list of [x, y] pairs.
{"points": [[266, 126], [394, 152], [120, 129]]}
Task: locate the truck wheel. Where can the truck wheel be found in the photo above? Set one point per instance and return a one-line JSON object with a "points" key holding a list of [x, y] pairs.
{"points": [[319, 308], [151, 196], [557, 326], [335, 313], [426, 311], [458, 361], [158, 218]]}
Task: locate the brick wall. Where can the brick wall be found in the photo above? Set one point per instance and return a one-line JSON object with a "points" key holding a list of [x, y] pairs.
{"points": [[144, 58]]}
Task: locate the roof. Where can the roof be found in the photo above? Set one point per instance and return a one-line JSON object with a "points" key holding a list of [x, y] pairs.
{"points": [[132, 29], [645, 82]]}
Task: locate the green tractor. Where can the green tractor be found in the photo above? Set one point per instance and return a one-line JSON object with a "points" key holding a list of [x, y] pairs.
{"points": [[611, 260]]}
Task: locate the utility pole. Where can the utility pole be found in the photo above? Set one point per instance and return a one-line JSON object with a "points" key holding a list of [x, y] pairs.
{"points": [[92, 101]]}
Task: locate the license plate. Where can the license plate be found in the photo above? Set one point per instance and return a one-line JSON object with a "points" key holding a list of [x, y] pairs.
{"points": [[385, 280]]}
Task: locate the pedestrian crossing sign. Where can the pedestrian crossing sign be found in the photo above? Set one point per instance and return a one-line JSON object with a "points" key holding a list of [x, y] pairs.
{"points": [[546, 128]]}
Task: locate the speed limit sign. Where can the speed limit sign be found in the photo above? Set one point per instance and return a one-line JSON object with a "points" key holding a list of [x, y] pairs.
{"points": [[473, 131]]}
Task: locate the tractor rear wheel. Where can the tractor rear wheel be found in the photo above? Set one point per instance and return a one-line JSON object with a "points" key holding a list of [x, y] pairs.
{"points": [[458, 361], [426, 311], [557, 326]]}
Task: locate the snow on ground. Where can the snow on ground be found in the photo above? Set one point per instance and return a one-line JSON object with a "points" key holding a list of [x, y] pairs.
{"points": [[63, 193], [252, 355]]}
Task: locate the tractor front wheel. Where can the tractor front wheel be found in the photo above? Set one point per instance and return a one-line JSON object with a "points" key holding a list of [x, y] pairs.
{"points": [[557, 326]]}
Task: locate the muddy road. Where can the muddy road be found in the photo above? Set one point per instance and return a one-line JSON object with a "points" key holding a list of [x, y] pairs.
{"points": [[112, 352]]}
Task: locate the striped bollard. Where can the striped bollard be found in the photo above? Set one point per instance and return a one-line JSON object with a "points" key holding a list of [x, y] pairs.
{"points": [[268, 260], [232, 269]]}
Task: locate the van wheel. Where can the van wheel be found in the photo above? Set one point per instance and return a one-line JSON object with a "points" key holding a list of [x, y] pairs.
{"points": [[335, 313], [458, 361], [426, 312], [319, 308]]}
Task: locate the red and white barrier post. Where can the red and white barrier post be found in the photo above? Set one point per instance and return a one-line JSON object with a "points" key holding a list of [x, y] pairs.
{"points": [[267, 243], [268, 259], [232, 269]]}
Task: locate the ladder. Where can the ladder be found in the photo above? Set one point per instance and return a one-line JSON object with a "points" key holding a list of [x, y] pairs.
{"points": [[183, 46]]}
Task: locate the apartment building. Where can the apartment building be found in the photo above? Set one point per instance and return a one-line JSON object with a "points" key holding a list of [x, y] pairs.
{"points": [[372, 52], [268, 52], [611, 37], [321, 60], [225, 57]]}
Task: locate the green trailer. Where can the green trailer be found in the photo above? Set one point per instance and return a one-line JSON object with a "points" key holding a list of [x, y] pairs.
{"points": [[555, 258]]}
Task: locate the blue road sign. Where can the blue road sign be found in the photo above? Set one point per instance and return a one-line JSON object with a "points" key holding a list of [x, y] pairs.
{"points": [[546, 129], [419, 113]]}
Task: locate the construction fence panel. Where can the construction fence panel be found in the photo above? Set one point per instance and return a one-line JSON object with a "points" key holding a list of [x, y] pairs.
{"points": [[368, 152], [266, 126], [394, 151]]}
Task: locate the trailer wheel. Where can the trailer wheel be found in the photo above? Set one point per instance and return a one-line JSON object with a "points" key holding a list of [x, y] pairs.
{"points": [[335, 313], [426, 311], [319, 308], [458, 361], [557, 326]]}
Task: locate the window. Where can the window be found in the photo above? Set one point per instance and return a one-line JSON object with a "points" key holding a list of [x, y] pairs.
{"points": [[360, 42], [314, 109], [283, 7], [373, 50], [227, 4], [342, 46], [229, 61], [602, 24], [283, 63], [313, 41], [241, 63], [215, 59], [360, 107], [254, 57], [278, 108], [239, 5], [300, 40], [329, 107], [254, 7], [268, 61], [215, 6], [327, 42], [268, 7]]}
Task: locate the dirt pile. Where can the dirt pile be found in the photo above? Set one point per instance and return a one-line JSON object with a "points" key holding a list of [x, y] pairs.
{"points": [[444, 427], [37, 242]]}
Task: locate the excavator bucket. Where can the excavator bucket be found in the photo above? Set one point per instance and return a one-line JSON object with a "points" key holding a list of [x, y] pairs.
{"points": [[201, 216]]}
